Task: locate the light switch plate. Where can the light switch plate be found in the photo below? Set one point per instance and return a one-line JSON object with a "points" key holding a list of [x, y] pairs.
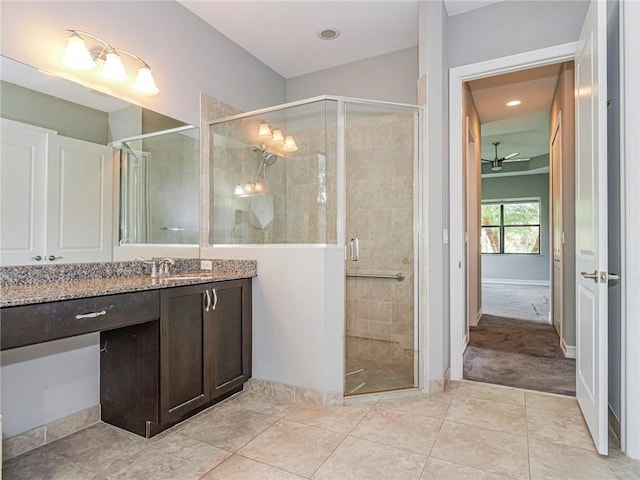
{"points": [[206, 265]]}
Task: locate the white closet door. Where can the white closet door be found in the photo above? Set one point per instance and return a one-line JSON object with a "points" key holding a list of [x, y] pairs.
{"points": [[23, 173], [80, 201]]}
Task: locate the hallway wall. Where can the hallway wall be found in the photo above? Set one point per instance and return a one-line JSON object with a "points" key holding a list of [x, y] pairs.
{"points": [[473, 170], [563, 105]]}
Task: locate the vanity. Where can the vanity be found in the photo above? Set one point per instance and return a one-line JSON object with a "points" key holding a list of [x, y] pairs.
{"points": [[169, 347]]}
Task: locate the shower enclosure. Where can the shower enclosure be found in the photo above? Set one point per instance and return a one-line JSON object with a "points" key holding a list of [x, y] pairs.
{"points": [[159, 187], [333, 171]]}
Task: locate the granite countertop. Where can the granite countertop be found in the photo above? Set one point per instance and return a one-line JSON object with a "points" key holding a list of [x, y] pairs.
{"points": [[50, 291]]}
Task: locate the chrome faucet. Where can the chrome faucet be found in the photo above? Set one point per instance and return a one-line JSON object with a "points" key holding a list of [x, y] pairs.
{"points": [[154, 267], [164, 265]]}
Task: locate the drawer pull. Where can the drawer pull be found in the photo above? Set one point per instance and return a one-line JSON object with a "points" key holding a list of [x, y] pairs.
{"points": [[215, 298], [91, 315]]}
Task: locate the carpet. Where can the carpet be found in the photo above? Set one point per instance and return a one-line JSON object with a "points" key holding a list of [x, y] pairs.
{"points": [[523, 302], [518, 353]]}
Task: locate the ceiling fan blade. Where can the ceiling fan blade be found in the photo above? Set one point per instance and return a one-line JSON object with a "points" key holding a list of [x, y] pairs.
{"points": [[511, 155], [485, 160], [517, 160]]}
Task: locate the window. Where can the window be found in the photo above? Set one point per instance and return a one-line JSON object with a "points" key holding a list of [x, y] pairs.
{"points": [[510, 227]]}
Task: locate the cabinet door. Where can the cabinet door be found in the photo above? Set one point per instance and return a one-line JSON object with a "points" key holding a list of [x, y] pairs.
{"points": [[79, 201], [230, 335], [23, 164], [184, 362]]}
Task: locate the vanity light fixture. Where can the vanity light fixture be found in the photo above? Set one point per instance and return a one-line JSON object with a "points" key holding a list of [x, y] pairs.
{"points": [[251, 188], [513, 103], [277, 136], [264, 130], [289, 144], [79, 57], [113, 69]]}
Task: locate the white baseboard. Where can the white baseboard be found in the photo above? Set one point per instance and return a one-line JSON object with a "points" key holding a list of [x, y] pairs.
{"points": [[568, 350], [515, 281]]}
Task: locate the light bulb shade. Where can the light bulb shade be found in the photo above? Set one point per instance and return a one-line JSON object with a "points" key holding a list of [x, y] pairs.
{"points": [[145, 83], [113, 68], [76, 55], [264, 130], [289, 144], [250, 188], [277, 136]]}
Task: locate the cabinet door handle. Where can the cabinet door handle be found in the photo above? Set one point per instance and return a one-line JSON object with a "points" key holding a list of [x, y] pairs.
{"points": [[51, 258], [37, 258], [207, 305], [91, 315], [215, 298]]}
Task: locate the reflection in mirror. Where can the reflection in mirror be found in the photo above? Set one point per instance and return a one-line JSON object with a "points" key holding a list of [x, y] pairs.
{"points": [[58, 175], [159, 178]]}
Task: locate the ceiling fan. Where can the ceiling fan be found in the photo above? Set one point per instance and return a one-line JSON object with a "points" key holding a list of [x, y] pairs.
{"points": [[496, 163]]}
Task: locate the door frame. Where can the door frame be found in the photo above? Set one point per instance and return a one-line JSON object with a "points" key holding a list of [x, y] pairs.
{"points": [[457, 134], [556, 174], [472, 173], [630, 196]]}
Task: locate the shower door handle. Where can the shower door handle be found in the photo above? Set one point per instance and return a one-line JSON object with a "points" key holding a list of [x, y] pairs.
{"points": [[354, 249]]}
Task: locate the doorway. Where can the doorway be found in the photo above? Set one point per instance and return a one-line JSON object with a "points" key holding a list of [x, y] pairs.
{"points": [[514, 229], [460, 270]]}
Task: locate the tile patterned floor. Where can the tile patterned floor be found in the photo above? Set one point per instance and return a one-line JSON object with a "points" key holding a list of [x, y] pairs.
{"points": [[471, 431]]}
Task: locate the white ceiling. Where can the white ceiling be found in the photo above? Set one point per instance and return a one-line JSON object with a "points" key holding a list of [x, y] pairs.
{"points": [[283, 35], [523, 128], [455, 7]]}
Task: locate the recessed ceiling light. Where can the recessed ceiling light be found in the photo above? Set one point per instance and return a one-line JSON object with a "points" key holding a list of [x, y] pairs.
{"points": [[513, 103], [329, 34]]}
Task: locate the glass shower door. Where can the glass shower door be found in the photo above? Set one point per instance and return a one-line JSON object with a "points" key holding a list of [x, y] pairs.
{"points": [[381, 152]]}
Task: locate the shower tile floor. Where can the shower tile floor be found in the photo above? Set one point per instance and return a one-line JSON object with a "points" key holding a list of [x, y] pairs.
{"points": [[366, 376], [377, 366], [471, 431]]}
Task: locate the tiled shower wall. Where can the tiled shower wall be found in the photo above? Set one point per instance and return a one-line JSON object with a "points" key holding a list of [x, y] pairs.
{"points": [[300, 214], [174, 197], [380, 195], [380, 154]]}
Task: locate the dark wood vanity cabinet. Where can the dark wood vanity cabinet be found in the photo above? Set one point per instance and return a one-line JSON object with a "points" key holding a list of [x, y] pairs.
{"points": [[199, 351], [205, 348], [184, 354], [230, 336]]}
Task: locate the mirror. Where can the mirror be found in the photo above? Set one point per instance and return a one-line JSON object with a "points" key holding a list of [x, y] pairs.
{"points": [[145, 166]]}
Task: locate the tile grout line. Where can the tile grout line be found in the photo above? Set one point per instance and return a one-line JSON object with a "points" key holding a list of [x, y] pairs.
{"points": [[345, 437], [526, 427]]}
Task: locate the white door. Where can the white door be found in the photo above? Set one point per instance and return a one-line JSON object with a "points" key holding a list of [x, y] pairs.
{"points": [[591, 224], [80, 199], [23, 172]]}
